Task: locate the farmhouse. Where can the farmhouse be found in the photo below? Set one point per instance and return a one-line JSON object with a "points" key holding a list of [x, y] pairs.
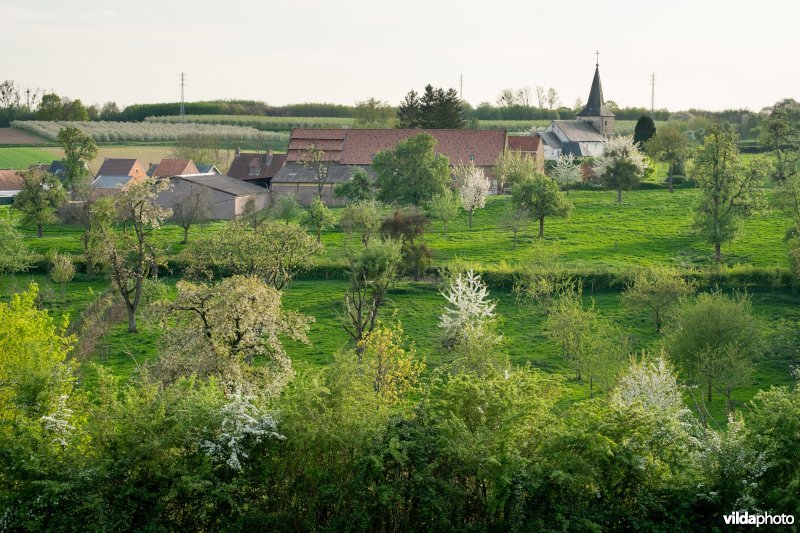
{"points": [[227, 196], [10, 186], [586, 135], [258, 169], [346, 149], [114, 173]]}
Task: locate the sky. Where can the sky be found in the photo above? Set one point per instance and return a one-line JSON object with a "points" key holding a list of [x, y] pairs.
{"points": [[707, 54]]}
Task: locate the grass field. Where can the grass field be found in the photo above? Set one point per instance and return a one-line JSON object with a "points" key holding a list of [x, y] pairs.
{"points": [[22, 158]]}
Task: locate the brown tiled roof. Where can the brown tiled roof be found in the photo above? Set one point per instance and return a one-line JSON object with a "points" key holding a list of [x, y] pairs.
{"points": [[10, 180], [524, 143], [270, 165], [113, 166], [174, 167], [330, 140]]}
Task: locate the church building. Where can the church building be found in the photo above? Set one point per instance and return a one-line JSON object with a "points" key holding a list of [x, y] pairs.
{"points": [[586, 135]]}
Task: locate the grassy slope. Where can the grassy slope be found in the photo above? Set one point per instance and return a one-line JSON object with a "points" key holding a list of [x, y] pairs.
{"points": [[22, 158]]}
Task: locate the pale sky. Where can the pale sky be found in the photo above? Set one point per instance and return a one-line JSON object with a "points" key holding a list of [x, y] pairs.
{"points": [[709, 54]]}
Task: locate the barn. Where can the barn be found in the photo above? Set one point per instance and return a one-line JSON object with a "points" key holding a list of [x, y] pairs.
{"points": [[227, 196]]}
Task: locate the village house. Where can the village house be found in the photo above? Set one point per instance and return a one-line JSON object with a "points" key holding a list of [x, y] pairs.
{"points": [[10, 186], [168, 168], [347, 149], [255, 168], [530, 146], [114, 173], [227, 196], [586, 135]]}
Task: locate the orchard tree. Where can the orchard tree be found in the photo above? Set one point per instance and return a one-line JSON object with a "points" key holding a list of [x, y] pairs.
{"points": [[62, 270], [644, 131], [729, 191], [79, 149], [39, 198], [671, 146], [651, 383], [319, 162], [786, 198], [715, 340], [513, 219], [191, 208], [445, 207], [362, 218], [473, 186], [540, 197], [15, 256], [285, 207], [132, 257], [469, 309], [566, 172], [780, 132], [409, 227], [621, 166], [656, 288], [393, 371], [373, 269], [512, 167], [318, 217], [411, 172], [358, 187], [96, 214]]}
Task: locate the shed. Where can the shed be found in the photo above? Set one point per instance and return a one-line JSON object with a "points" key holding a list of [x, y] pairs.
{"points": [[228, 196]]}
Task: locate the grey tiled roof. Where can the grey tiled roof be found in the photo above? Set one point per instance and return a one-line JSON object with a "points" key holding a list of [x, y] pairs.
{"points": [[595, 105], [578, 130], [551, 139], [110, 182], [222, 183]]}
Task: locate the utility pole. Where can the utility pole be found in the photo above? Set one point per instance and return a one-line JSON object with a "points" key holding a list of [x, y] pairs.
{"points": [[461, 86], [183, 111], [653, 96]]}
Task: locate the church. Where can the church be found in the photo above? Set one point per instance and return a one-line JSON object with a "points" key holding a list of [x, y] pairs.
{"points": [[586, 135]]}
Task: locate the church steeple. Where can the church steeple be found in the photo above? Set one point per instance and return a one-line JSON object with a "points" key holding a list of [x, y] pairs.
{"points": [[595, 110]]}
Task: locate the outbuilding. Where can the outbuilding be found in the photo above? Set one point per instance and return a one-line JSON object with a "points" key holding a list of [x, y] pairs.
{"points": [[227, 196]]}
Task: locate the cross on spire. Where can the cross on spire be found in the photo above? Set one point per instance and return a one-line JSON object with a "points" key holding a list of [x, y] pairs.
{"points": [[597, 55]]}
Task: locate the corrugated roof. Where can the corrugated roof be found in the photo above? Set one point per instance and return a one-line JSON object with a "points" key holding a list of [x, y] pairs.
{"points": [[174, 167], [113, 166], [579, 131], [222, 183], [110, 182], [10, 180]]}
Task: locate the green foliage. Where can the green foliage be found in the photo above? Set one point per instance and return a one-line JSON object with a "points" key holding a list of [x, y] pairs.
{"points": [[15, 256], [39, 198], [79, 148], [540, 197], [318, 217], [445, 207], [670, 146], [62, 269], [780, 132], [373, 113], [621, 166], [409, 227], [644, 131], [435, 109], [358, 188], [657, 289], [412, 172], [362, 218]]}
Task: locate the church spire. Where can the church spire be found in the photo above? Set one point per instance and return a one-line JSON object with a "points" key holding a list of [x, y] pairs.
{"points": [[595, 105]]}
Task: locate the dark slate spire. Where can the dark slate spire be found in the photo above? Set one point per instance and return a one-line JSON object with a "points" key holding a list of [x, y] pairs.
{"points": [[595, 106]]}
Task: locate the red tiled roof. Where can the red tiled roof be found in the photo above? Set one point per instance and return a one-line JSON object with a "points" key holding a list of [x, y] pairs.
{"points": [[270, 165], [319, 133], [113, 166], [174, 167], [10, 180], [524, 143], [330, 140]]}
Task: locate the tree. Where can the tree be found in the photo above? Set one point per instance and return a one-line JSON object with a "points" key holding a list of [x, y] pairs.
{"points": [[469, 308], [644, 131], [39, 198], [553, 101], [409, 112], [514, 218], [715, 340], [358, 187], [508, 98], [74, 110], [473, 186], [392, 370], [373, 113], [79, 149], [540, 197], [566, 171], [372, 269], [729, 191], [671, 146], [656, 288], [412, 172], [318, 217], [780, 132], [15, 256], [445, 207], [317, 160], [202, 150], [285, 207], [62, 270], [110, 111], [96, 215], [786, 198], [50, 107], [621, 165], [650, 383], [541, 98], [543, 278], [213, 330], [276, 252], [408, 226], [193, 207], [131, 258], [512, 167], [362, 218]]}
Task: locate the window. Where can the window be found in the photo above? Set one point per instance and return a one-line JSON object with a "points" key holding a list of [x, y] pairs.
{"points": [[255, 170], [472, 158]]}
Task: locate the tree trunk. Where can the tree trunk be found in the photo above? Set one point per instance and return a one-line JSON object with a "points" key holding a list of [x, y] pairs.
{"points": [[445, 229], [89, 265], [541, 227], [185, 235], [131, 319], [718, 252], [515, 239], [470, 218], [591, 387], [619, 195], [658, 321], [39, 230], [669, 178], [708, 392], [319, 236]]}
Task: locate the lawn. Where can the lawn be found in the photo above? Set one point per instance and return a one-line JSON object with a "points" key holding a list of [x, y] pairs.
{"points": [[22, 158]]}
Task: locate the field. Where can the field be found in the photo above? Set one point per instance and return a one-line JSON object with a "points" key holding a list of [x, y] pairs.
{"points": [[22, 158], [11, 136]]}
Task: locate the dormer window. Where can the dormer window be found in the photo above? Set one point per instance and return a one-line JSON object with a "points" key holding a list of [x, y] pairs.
{"points": [[255, 170]]}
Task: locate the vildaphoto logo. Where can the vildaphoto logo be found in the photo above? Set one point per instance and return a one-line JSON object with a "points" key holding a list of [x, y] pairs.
{"points": [[761, 519]]}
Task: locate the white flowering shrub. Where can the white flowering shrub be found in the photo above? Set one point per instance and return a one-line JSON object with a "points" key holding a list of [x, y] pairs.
{"points": [[470, 307], [58, 424], [651, 384], [243, 425]]}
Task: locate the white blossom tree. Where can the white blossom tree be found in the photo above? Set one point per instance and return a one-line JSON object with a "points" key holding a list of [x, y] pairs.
{"points": [[651, 384], [473, 186], [622, 164], [567, 171], [469, 309]]}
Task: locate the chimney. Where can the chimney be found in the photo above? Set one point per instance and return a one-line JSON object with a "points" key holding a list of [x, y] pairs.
{"points": [[268, 159], [237, 152]]}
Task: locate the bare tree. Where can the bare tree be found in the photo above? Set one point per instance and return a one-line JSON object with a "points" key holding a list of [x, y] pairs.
{"points": [[540, 98], [191, 208], [553, 101], [317, 160]]}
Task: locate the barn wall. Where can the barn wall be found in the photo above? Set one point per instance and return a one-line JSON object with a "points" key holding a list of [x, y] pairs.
{"points": [[222, 204], [306, 192]]}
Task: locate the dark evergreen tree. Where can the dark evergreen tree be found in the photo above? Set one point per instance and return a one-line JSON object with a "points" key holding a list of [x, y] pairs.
{"points": [[428, 108], [644, 131], [408, 114], [450, 112]]}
